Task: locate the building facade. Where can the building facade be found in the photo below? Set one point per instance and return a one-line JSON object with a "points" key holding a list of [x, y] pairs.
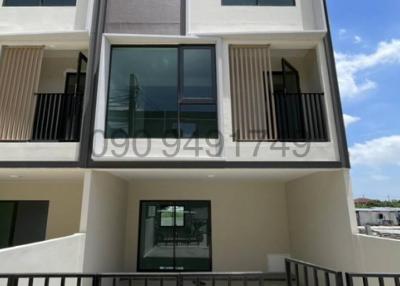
{"points": [[180, 135]]}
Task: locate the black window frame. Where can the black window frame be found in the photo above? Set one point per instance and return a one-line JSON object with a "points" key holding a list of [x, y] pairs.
{"points": [[259, 4], [173, 203], [181, 100], [15, 215], [40, 4]]}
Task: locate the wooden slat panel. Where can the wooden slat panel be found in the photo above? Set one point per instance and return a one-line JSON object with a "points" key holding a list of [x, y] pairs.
{"points": [[19, 79], [252, 103]]}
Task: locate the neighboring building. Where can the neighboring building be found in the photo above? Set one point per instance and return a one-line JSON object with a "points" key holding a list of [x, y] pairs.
{"points": [[361, 201], [378, 216], [149, 135]]}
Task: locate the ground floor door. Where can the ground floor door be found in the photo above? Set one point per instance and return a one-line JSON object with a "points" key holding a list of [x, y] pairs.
{"points": [[174, 236]]}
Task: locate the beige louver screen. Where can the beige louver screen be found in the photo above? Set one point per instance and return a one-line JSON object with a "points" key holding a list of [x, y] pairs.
{"points": [[19, 79], [252, 101]]}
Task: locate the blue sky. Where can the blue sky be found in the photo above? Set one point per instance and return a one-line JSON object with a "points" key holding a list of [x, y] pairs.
{"points": [[366, 36]]}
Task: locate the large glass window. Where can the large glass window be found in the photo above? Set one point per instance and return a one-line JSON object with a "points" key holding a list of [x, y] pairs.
{"points": [[162, 92], [259, 2], [22, 222], [175, 236], [39, 3]]}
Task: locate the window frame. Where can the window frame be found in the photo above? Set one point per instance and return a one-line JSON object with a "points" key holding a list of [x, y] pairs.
{"points": [[40, 4], [259, 5], [173, 203], [181, 100]]}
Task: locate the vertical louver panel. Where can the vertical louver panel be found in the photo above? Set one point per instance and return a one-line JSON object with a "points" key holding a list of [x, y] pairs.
{"points": [[19, 78], [252, 101]]}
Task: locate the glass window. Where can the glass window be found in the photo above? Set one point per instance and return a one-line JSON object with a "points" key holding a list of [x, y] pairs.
{"points": [[198, 73], [22, 222], [259, 2], [144, 98], [39, 3], [184, 245]]}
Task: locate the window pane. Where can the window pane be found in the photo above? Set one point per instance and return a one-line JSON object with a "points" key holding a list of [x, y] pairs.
{"points": [[142, 100], [183, 246], [239, 2], [31, 221], [39, 3], [276, 2], [198, 73], [6, 218], [156, 241], [199, 121], [259, 2], [192, 251]]}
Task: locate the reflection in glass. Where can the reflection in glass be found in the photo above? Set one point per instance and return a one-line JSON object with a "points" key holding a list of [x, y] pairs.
{"points": [[175, 236], [198, 121], [142, 100]]}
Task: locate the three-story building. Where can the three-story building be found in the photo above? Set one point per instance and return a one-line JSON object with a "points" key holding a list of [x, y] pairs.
{"points": [[175, 135]]}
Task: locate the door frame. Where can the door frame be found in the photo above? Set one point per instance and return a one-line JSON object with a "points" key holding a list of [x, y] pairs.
{"points": [[174, 203]]}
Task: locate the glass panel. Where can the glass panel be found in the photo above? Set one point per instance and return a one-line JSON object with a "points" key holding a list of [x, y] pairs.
{"points": [[6, 218], [183, 245], [71, 81], [39, 3], [239, 2], [199, 121], [198, 73], [260, 2], [192, 240], [276, 2], [156, 240], [142, 100], [31, 221]]}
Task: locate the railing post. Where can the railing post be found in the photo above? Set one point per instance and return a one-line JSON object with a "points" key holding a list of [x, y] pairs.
{"points": [[349, 280], [288, 273], [96, 281]]}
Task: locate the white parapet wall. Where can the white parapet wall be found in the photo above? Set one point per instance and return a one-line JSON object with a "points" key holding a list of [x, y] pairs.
{"points": [[56, 255]]}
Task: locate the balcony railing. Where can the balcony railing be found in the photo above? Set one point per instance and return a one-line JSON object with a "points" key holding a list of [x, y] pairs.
{"points": [[301, 117], [57, 117]]}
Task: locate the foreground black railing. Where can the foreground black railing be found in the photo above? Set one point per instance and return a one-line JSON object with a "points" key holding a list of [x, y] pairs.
{"points": [[367, 279], [143, 279], [301, 117], [303, 273], [57, 117]]}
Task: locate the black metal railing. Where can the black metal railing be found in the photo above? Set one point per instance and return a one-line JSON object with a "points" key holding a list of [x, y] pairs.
{"points": [[142, 279], [367, 279], [57, 117], [307, 274], [301, 117]]}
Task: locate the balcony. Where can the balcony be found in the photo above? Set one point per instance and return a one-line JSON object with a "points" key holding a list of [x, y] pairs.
{"points": [[41, 102]]}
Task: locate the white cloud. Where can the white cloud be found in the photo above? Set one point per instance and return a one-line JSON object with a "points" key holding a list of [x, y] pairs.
{"points": [[350, 65], [377, 152], [342, 32], [379, 177], [357, 39], [348, 119]]}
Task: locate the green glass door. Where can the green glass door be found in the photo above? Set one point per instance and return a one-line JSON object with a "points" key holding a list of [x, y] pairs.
{"points": [[175, 236]]}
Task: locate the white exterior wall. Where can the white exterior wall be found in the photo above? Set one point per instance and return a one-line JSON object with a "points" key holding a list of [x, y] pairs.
{"points": [[103, 220], [61, 255], [209, 16], [323, 230], [24, 20]]}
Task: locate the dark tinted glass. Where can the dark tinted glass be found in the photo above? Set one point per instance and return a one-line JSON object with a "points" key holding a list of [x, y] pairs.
{"points": [[199, 121], [175, 236], [6, 220], [198, 78], [259, 2], [143, 93], [143, 88], [39, 3], [71, 81], [30, 223]]}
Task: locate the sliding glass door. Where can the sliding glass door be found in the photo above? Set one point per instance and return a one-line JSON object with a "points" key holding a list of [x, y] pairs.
{"points": [[175, 236]]}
